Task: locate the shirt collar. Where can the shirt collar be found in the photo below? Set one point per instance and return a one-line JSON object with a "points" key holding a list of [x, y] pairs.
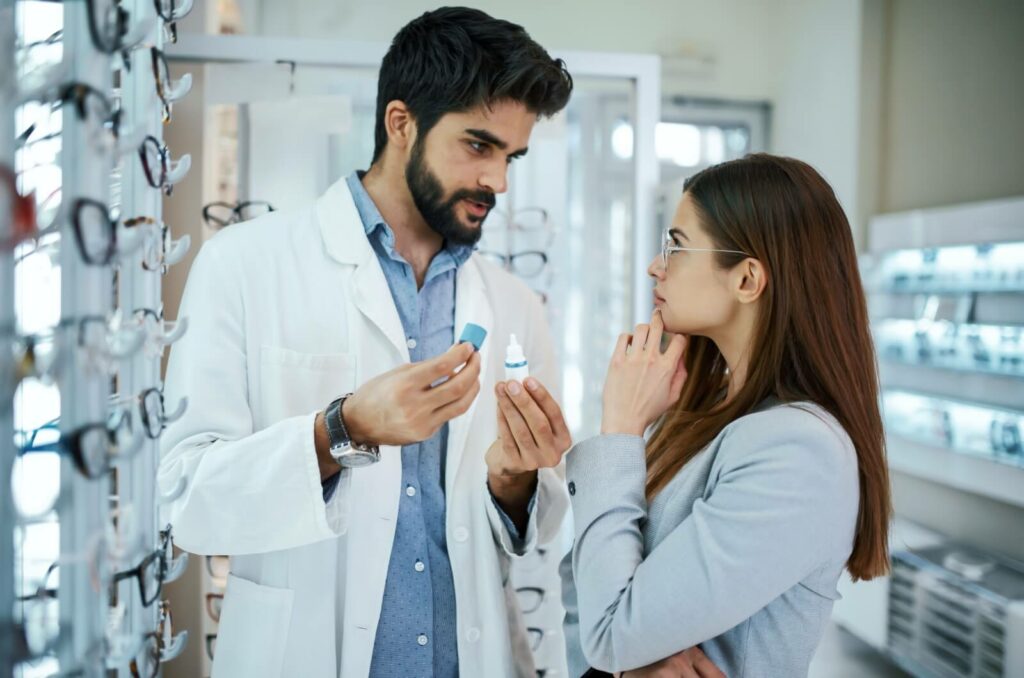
{"points": [[376, 228]]}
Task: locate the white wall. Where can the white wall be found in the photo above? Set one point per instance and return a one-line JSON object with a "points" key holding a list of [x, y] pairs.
{"points": [[955, 113], [740, 37], [817, 97], [801, 55]]}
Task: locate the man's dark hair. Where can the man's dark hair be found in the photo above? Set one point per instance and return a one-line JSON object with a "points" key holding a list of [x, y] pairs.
{"points": [[455, 59]]}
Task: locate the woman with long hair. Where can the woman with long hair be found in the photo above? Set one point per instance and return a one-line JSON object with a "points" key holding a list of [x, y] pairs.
{"points": [[764, 476]]}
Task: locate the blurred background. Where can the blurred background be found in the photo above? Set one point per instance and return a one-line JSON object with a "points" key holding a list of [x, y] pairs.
{"points": [[913, 110]]}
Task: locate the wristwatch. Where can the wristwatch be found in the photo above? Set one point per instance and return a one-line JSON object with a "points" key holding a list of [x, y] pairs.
{"points": [[344, 451]]}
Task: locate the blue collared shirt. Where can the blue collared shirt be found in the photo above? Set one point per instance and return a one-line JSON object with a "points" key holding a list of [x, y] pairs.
{"points": [[417, 633], [418, 630]]}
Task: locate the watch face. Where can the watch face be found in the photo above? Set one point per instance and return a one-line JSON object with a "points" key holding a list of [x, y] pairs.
{"points": [[353, 458]]}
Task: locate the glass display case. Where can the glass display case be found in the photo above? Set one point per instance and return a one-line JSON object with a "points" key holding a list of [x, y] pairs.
{"points": [[946, 297]]}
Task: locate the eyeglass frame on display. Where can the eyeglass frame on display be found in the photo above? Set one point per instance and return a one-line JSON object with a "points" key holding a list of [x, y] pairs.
{"points": [[507, 261], [71, 443], [235, 209]]}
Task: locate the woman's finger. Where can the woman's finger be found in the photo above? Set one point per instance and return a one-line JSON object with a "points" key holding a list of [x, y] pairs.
{"points": [[640, 337], [676, 347], [657, 329], [621, 345]]}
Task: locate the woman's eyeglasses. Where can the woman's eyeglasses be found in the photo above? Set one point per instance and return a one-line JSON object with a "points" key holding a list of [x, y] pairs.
{"points": [[669, 247]]}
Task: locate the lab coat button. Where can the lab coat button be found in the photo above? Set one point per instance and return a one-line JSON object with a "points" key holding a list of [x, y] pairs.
{"points": [[473, 635], [572, 489], [422, 639], [461, 534], [420, 566]]}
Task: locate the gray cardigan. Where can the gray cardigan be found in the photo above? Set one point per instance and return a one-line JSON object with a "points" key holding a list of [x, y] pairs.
{"points": [[740, 553]]}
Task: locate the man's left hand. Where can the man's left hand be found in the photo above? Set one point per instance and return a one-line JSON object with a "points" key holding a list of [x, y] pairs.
{"points": [[532, 434]]}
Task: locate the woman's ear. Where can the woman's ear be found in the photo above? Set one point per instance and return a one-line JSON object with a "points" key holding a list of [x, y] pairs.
{"points": [[751, 279]]}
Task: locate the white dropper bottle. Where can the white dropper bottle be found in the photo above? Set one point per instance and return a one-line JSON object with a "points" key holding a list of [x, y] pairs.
{"points": [[516, 367]]}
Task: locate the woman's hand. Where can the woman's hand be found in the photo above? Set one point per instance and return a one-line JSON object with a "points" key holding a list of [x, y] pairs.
{"points": [[642, 382], [690, 663]]}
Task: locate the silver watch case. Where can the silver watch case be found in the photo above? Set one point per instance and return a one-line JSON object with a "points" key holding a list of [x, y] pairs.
{"points": [[351, 456]]}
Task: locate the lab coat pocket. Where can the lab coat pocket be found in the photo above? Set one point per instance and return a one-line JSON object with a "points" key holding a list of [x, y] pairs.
{"points": [[294, 383], [253, 631]]}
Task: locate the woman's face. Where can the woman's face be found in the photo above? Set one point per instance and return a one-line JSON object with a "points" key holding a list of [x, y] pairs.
{"points": [[694, 295]]}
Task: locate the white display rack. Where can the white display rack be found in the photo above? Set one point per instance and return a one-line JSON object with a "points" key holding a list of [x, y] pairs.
{"points": [[105, 356]]}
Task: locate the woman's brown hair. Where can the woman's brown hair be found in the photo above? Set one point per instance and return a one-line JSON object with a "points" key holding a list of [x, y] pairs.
{"points": [[812, 341]]}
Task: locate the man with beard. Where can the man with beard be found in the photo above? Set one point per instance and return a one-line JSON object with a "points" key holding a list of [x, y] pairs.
{"points": [[371, 481]]}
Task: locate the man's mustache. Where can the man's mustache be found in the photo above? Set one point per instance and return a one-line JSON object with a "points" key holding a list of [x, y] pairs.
{"points": [[483, 197]]}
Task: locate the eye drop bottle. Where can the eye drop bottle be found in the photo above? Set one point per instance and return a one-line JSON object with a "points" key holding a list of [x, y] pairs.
{"points": [[515, 362]]}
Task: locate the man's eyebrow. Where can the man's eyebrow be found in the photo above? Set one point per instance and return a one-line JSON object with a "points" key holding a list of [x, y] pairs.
{"points": [[487, 137]]}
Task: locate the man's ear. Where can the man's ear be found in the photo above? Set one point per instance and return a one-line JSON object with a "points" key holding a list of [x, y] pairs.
{"points": [[400, 125], [751, 279]]}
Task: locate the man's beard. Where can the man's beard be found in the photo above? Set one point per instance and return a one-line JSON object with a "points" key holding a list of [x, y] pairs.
{"points": [[438, 212]]}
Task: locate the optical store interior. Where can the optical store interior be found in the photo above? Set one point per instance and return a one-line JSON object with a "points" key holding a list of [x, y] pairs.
{"points": [[205, 304]]}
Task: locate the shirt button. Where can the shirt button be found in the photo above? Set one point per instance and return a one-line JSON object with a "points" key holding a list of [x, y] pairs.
{"points": [[411, 491], [461, 534], [411, 343], [473, 635], [420, 566], [421, 639], [572, 488]]}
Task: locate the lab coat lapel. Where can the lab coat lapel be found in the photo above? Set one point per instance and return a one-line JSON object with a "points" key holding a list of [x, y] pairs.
{"points": [[471, 306], [372, 296], [345, 241]]}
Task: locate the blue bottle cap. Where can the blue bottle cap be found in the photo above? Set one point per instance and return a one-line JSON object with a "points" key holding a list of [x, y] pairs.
{"points": [[474, 334]]}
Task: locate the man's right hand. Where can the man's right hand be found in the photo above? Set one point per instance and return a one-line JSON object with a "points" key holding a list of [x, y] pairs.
{"points": [[400, 407]]}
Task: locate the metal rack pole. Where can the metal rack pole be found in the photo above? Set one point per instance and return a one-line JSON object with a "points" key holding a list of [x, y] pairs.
{"points": [[7, 453], [84, 390]]}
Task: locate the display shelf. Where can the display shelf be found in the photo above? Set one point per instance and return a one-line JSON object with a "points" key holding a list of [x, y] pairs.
{"points": [[981, 476]]}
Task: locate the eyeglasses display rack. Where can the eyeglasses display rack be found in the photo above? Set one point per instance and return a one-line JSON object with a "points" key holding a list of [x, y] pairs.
{"points": [[82, 257]]}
